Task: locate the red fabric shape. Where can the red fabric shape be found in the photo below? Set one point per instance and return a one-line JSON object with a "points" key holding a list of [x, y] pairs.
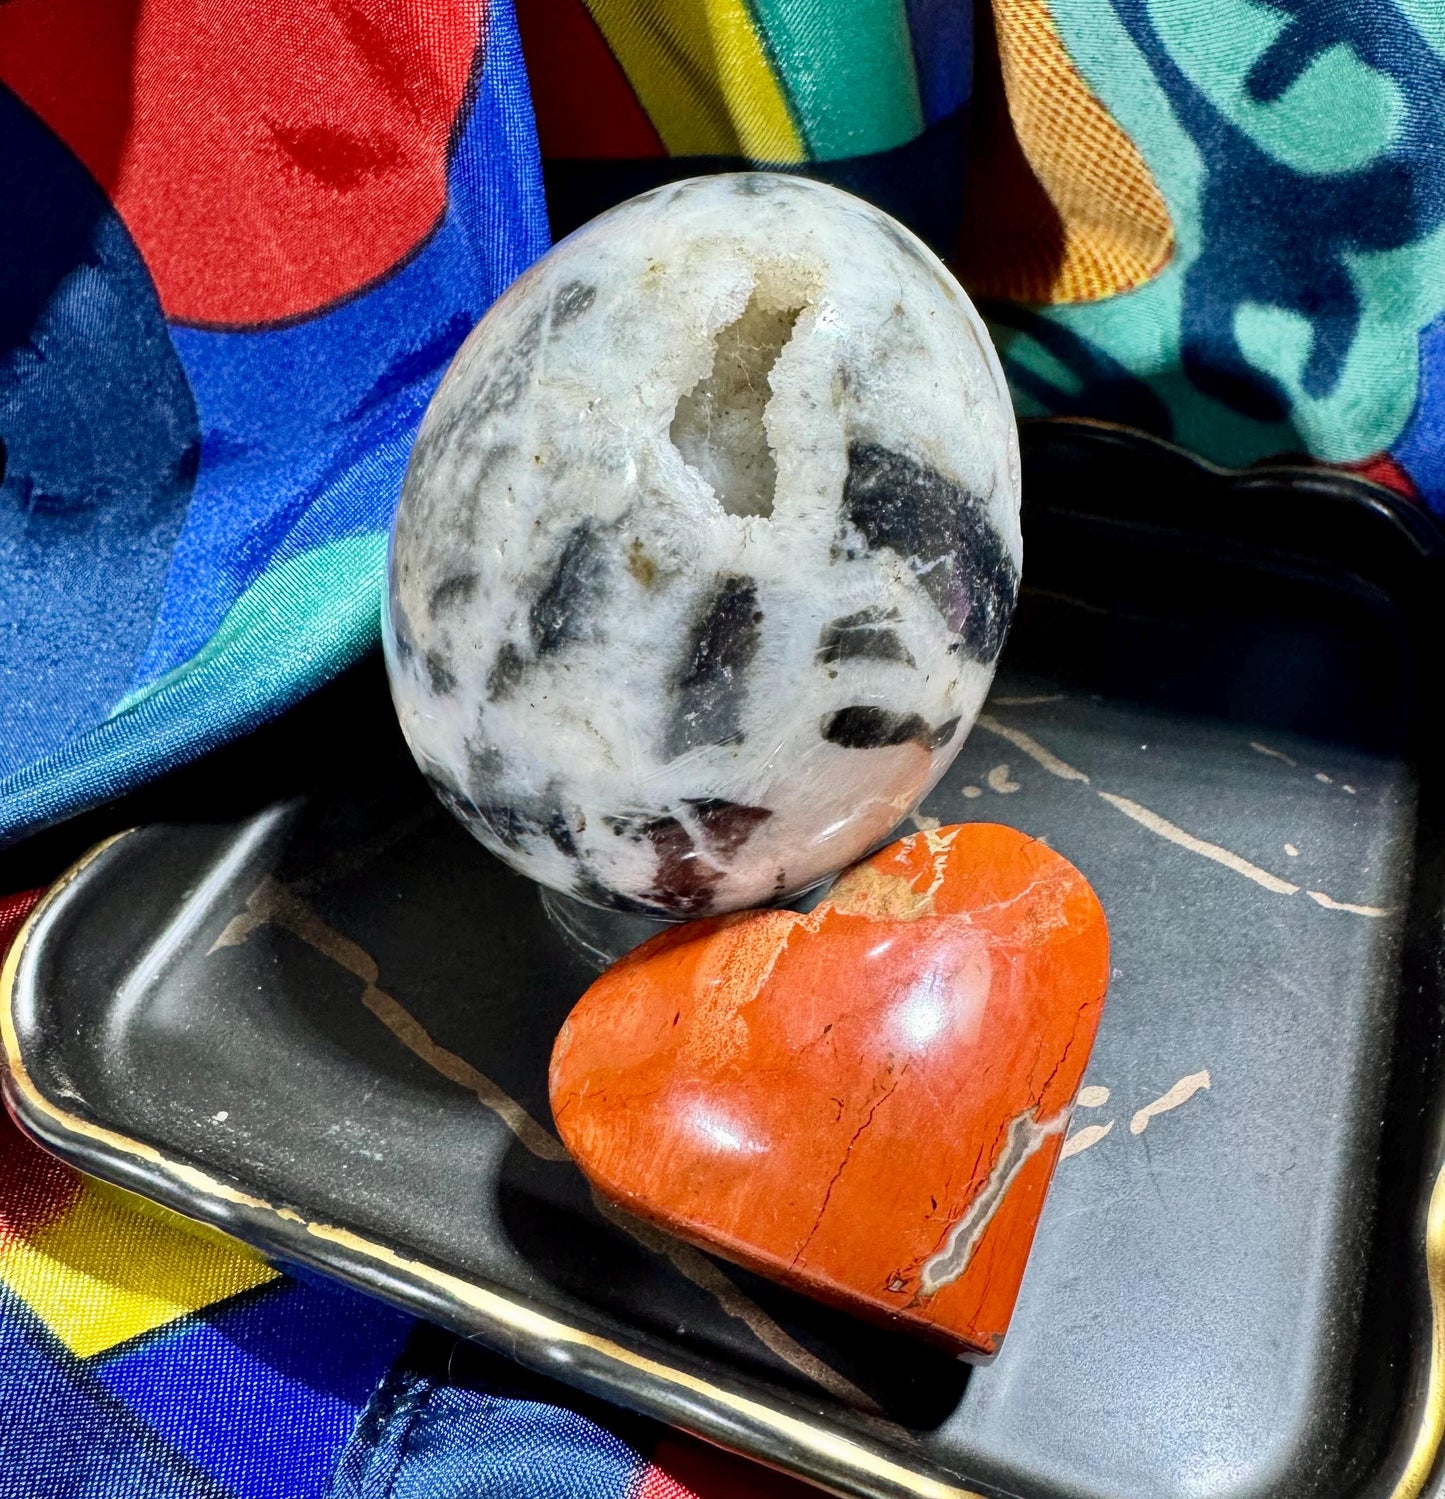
{"points": [[13, 911], [268, 156], [1382, 469], [684, 1469], [35, 1188], [585, 106]]}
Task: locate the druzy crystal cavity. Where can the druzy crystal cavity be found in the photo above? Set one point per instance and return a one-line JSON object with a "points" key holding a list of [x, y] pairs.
{"points": [[707, 548]]}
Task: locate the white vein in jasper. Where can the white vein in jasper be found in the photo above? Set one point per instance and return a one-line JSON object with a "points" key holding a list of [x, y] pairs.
{"points": [[1025, 1137]]}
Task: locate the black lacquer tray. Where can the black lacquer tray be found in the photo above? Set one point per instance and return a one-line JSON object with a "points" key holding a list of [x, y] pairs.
{"points": [[299, 1003]]}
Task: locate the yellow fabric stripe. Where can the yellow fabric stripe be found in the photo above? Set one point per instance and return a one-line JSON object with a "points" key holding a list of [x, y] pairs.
{"points": [[113, 1266], [700, 71]]}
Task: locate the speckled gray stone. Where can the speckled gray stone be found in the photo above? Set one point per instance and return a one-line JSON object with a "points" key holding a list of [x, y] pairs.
{"points": [[707, 548]]}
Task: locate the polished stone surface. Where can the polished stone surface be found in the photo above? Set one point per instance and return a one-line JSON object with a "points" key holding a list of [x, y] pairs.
{"points": [[707, 548], [865, 1102]]}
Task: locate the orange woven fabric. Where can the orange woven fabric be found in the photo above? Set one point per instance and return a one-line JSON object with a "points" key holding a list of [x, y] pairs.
{"points": [[1059, 204]]}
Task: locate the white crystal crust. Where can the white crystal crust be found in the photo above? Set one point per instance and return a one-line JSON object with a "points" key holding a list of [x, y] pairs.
{"points": [[707, 548]]}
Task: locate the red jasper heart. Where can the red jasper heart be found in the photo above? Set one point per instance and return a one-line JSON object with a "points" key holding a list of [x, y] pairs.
{"points": [[865, 1102]]}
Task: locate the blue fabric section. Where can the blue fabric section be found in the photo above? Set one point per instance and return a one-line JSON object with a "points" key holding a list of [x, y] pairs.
{"points": [[306, 430], [942, 34], [64, 1436], [305, 433], [207, 704], [264, 1393], [1420, 449], [438, 1440], [98, 445]]}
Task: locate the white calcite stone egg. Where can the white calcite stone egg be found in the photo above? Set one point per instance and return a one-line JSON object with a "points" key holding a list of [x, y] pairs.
{"points": [[707, 548]]}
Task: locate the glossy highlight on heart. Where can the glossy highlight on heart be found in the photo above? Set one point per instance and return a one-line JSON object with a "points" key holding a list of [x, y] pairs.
{"points": [[865, 1102]]}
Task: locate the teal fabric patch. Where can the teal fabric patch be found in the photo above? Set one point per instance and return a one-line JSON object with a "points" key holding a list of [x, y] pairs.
{"points": [[1300, 147]]}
